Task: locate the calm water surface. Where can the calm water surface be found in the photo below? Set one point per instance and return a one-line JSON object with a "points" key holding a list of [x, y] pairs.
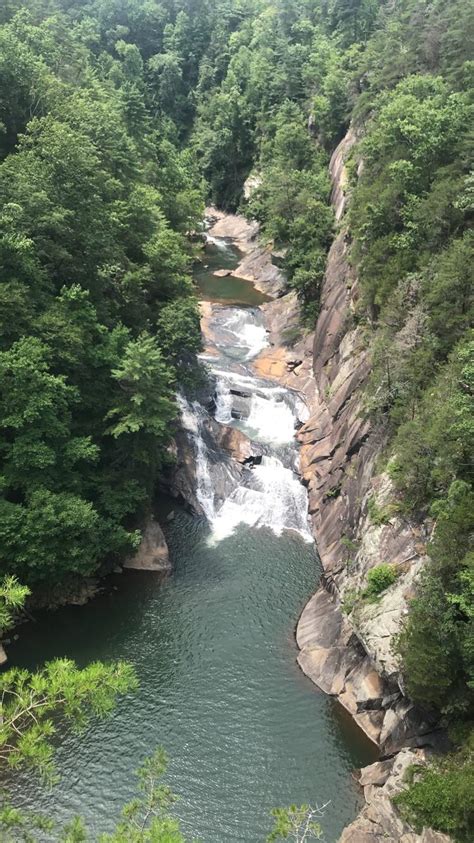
{"points": [[230, 290], [219, 688]]}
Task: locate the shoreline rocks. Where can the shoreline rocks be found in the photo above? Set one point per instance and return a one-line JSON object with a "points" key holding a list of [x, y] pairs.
{"points": [[152, 554]]}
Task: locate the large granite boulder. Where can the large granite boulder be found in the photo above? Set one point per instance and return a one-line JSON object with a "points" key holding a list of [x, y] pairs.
{"points": [[152, 555]]}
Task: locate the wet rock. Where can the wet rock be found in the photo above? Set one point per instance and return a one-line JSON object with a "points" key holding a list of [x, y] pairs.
{"points": [[236, 444], [222, 273], [152, 555], [79, 595], [3, 655]]}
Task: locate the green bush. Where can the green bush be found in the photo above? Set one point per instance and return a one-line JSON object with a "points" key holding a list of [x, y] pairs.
{"points": [[442, 797], [378, 580]]}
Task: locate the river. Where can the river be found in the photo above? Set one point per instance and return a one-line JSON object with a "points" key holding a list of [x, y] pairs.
{"points": [[213, 644]]}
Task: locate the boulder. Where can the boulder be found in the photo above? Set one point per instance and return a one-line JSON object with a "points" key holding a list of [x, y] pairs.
{"points": [[3, 655], [152, 555], [235, 443], [376, 773]]}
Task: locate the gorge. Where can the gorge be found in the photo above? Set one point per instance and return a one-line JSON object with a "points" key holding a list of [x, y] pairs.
{"points": [[213, 644], [268, 415]]}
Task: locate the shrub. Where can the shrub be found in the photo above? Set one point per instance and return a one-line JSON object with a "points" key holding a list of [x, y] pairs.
{"points": [[442, 797], [378, 580], [349, 600]]}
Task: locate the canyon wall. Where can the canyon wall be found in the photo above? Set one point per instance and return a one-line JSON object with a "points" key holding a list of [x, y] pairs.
{"points": [[346, 642]]}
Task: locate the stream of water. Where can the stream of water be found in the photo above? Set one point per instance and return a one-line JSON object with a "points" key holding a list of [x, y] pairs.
{"points": [[213, 645]]}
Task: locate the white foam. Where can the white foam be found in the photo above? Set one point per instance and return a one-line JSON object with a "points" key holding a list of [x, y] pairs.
{"points": [[271, 420], [246, 332], [276, 500]]}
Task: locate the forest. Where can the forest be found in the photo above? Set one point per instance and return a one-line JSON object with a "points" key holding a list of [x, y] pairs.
{"points": [[119, 120]]}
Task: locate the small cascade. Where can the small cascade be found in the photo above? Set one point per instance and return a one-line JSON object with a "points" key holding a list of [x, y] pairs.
{"points": [[271, 420], [210, 475], [268, 494], [272, 497], [224, 401], [219, 242], [240, 332]]}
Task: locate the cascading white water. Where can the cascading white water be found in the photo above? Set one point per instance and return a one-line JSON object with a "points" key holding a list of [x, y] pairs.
{"points": [[270, 420], [219, 242], [191, 417], [223, 412], [241, 333], [269, 494], [276, 499]]}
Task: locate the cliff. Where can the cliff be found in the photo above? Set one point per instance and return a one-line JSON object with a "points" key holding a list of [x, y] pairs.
{"points": [[346, 642]]}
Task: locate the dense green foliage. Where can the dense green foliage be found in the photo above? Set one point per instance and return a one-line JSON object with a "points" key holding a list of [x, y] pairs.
{"points": [[443, 796], [410, 218], [117, 117], [96, 307], [378, 579]]}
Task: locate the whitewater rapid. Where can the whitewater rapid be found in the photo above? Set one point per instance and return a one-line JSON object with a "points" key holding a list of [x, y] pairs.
{"points": [[266, 493]]}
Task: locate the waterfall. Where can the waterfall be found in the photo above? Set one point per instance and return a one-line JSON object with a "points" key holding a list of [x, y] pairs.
{"points": [[275, 499], [192, 417], [266, 495], [224, 401]]}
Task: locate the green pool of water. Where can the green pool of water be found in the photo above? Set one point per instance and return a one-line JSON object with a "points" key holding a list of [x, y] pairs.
{"points": [[227, 290], [214, 649]]}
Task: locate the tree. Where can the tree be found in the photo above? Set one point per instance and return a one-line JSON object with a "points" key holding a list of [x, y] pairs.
{"points": [[145, 391], [29, 701], [12, 599], [297, 823]]}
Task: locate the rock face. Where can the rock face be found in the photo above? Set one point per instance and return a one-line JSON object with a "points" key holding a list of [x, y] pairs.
{"points": [[152, 555], [349, 654], [379, 821]]}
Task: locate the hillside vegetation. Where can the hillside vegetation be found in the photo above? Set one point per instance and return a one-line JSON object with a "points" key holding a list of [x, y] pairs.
{"points": [[118, 119]]}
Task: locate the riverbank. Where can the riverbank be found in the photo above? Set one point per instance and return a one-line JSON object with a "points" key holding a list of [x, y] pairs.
{"points": [[349, 657]]}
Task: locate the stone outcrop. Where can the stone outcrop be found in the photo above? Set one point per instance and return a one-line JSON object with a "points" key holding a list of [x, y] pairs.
{"points": [[379, 819], [152, 554]]}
